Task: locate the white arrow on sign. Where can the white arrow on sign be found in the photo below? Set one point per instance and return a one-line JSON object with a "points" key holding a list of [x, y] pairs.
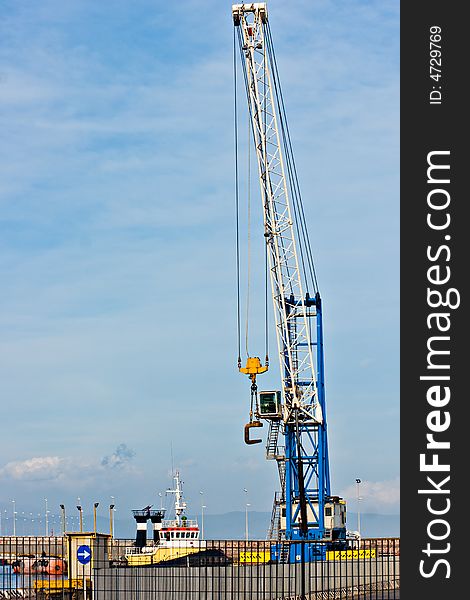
{"points": [[84, 553]]}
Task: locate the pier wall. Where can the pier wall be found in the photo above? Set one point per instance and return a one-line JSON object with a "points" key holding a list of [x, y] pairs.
{"points": [[262, 582]]}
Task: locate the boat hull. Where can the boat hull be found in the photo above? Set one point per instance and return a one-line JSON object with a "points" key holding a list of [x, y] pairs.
{"points": [[160, 555], [44, 566]]}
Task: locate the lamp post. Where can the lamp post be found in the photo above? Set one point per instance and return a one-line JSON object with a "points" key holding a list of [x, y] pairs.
{"points": [[46, 518], [62, 508], [161, 500], [358, 482], [14, 517], [202, 520], [246, 515], [95, 506], [246, 521], [79, 508], [111, 511], [202, 513]]}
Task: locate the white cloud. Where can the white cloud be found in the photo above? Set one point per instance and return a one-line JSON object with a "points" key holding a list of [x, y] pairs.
{"points": [[55, 468], [33, 469]]}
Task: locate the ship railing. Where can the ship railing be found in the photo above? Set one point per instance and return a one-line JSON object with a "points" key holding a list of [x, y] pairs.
{"points": [[175, 523], [148, 513]]}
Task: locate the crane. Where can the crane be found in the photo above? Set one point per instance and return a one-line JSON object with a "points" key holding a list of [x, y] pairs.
{"points": [[304, 511]]}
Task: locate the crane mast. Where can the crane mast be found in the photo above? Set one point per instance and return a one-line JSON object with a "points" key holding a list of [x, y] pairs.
{"points": [[298, 411]]}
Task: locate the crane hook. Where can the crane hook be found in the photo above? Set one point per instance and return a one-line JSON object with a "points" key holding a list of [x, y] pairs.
{"points": [[249, 426]]}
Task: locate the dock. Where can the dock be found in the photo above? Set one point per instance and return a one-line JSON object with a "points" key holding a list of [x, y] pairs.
{"points": [[223, 570]]}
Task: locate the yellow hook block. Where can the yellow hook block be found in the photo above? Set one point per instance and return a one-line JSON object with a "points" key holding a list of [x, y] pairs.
{"points": [[253, 366]]}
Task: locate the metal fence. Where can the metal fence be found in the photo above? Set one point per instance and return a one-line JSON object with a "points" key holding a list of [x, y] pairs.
{"points": [[44, 568]]}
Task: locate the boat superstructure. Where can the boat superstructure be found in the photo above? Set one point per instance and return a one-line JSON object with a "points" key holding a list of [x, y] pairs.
{"points": [[173, 538]]}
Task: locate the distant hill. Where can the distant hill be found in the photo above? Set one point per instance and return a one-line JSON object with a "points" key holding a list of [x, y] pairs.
{"points": [[231, 525], [373, 525]]}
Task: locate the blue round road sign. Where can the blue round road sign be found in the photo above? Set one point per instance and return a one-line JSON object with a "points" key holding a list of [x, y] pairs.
{"points": [[84, 554]]}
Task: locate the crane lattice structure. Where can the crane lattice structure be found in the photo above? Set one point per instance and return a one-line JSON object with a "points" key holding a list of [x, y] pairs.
{"points": [[300, 414]]}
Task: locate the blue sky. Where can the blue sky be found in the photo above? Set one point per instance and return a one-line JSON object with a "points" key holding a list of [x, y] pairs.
{"points": [[117, 260]]}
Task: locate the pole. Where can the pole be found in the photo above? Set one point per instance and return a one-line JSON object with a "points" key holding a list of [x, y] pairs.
{"points": [[358, 482], [202, 531], [202, 514], [14, 518], [46, 518], [246, 522], [62, 508], [79, 508], [111, 528], [246, 515], [95, 506], [84, 582]]}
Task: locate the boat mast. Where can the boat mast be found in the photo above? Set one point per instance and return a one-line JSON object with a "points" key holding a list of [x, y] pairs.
{"points": [[180, 504]]}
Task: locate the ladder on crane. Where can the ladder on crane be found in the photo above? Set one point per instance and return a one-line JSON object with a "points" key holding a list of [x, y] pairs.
{"points": [[271, 444], [274, 532]]}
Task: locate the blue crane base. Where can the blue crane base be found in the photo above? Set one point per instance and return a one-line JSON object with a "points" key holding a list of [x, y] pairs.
{"points": [[291, 552]]}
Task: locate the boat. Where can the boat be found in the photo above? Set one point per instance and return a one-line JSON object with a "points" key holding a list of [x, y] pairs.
{"points": [[7, 559], [175, 541], [44, 565]]}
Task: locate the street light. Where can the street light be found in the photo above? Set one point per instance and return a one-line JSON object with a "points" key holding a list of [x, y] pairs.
{"points": [[202, 520], [95, 506], [246, 515], [14, 517], [111, 510], [46, 517], [246, 521], [79, 508], [202, 513], [62, 508], [358, 482]]}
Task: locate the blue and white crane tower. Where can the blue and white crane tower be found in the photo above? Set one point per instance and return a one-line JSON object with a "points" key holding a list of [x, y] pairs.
{"points": [[305, 513]]}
